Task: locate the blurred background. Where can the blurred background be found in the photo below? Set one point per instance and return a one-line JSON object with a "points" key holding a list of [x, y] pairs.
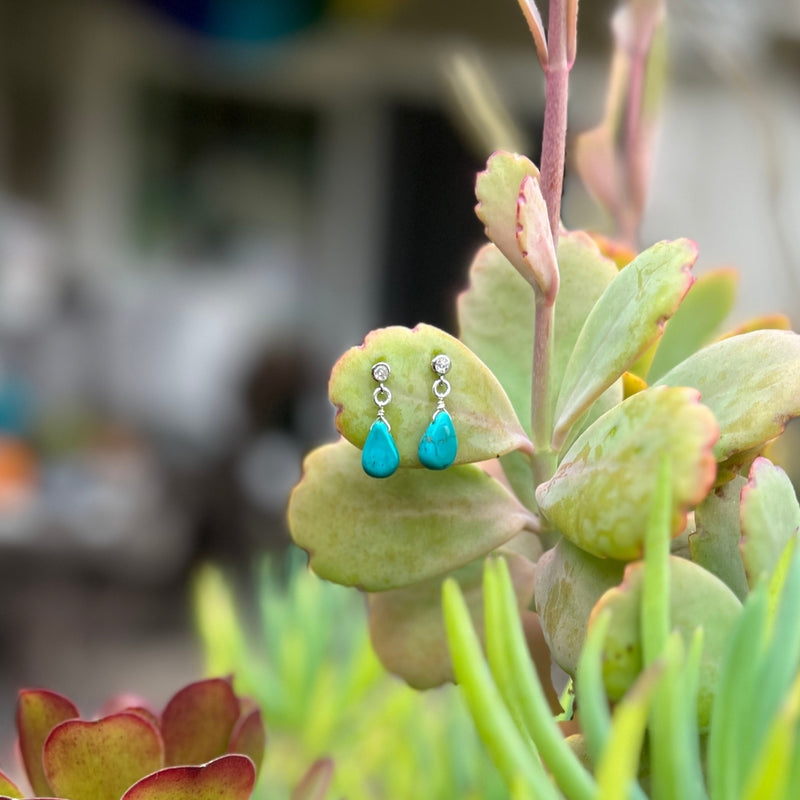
{"points": [[204, 202]]}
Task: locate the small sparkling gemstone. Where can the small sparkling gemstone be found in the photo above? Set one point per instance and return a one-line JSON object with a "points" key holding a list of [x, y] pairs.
{"points": [[441, 364], [381, 371], [439, 443]]}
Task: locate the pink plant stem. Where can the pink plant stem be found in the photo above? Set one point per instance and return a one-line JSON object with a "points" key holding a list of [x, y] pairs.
{"points": [[551, 180], [554, 139]]}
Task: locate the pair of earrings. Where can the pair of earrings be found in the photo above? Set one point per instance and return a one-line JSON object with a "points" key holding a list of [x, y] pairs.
{"points": [[438, 445]]}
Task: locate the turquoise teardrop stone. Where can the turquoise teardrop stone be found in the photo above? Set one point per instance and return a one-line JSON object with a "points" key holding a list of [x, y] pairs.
{"points": [[439, 444], [379, 458]]}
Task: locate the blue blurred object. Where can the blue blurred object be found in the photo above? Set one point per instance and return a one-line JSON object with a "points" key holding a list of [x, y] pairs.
{"points": [[15, 405], [241, 20]]}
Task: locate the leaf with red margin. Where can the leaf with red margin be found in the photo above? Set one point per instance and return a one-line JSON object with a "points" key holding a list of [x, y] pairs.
{"points": [[38, 712], [770, 516], [197, 723], [99, 760], [8, 786], [603, 489], [249, 737], [229, 777], [316, 781]]}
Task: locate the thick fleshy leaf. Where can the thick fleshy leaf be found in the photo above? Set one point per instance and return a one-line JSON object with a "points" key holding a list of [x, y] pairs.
{"points": [[715, 543], [38, 712], [697, 321], [602, 492], [230, 777], [751, 383], [569, 582], [697, 599], [624, 322], [497, 189], [197, 722], [496, 314], [316, 781], [7, 787], [535, 240], [249, 737], [99, 760], [770, 515], [386, 534], [482, 414], [407, 629]]}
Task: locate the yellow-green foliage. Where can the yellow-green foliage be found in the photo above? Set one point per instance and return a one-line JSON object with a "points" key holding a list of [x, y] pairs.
{"points": [[307, 659]]}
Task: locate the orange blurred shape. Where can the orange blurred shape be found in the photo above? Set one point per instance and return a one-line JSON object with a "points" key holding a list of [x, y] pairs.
{"points": [[18, 473]]}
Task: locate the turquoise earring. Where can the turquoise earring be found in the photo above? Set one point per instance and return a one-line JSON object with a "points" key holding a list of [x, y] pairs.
{"points": [[380, 458], [439, 443]]}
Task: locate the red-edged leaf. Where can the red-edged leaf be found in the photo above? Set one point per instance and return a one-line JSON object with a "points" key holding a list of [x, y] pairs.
{"points": [[229, 777], [99, 760], [249, 737], [197, 723], [38, 712]]}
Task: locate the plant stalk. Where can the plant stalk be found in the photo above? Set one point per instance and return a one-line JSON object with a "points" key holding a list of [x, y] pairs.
{"points": [[554, 137]]}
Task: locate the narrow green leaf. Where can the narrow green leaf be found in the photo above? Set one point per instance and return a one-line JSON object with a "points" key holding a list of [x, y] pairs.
{"points": [[627, 318], [619, 761], [568, 773], [676, 771], [602, 493], [770, 514], [771, 771], [385, 534], [495, 725], [752, 384], [8, 788], [406, 626], [595, 714], [699, 317], [483, 417], [715, 543], [727, 758]]}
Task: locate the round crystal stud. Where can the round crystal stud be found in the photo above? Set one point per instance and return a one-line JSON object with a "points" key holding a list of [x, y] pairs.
{"points": [[381, 371], [441, 364]]}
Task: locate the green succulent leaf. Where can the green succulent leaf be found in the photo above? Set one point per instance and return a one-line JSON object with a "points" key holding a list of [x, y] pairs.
{"points": [[715, 543], [602, 492], [8, 788], [569, 582], [498, 189], [697, 599], [230, 777], [770, 515], [407, 629], [624, 322], [38, 712], [699, 317], [315, 783], [249, 737], [752, 384], [496, 313], [99, 760], [198, 721], [484, 419], [386, 534]]}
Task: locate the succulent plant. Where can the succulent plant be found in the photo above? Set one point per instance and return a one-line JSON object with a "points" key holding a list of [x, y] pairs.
{"points": [[580, 367], [207, 742]]}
